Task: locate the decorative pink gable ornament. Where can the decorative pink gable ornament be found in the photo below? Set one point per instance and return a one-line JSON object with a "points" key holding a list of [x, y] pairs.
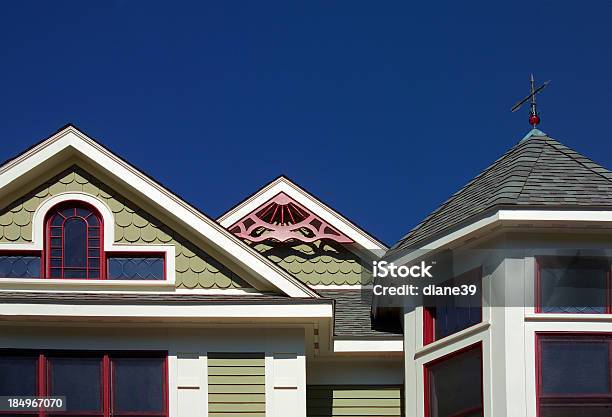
{"points": [[282, 219]]}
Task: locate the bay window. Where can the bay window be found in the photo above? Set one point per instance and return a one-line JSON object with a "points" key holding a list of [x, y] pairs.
{"points": [[574, 375], [94, 384]]}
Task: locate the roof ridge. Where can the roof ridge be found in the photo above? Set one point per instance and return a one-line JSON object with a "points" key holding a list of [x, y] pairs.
{"points": [[463, 189], [561, 148], [535, 163]]}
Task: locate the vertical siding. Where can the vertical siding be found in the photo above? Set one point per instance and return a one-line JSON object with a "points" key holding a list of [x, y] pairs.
{"points": [[354, 400], [236, 385]]}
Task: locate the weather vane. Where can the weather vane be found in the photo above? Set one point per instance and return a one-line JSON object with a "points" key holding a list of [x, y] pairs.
{"points": [[534, 118]]}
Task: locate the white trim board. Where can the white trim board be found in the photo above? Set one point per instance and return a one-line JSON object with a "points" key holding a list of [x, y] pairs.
{"points": [[10, 311], [506, 217], [335, 219], [72, 140], [361, 345]]}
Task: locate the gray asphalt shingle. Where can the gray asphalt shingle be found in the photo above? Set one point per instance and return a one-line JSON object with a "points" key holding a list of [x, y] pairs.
{"points": [[352, 316]]}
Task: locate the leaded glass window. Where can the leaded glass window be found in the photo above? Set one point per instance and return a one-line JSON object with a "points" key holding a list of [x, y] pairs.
{"points": [[136, 267], [74, 242]]}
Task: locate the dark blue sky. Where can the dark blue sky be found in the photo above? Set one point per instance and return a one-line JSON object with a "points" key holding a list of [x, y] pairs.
{"points": [[382, 109]]}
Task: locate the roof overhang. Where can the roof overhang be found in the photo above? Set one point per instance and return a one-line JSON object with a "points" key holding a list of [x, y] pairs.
{"points": [[508, 218]]}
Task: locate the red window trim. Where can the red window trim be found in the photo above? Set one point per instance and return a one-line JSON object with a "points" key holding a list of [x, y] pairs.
{"points": [[47, 245], [540, 260], [568, 336], [429, 322], [45, 264], [449, 356], [126, 254], [43, 377]]}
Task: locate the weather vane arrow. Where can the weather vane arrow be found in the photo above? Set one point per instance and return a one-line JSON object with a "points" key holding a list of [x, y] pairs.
{"points": [[534, 118]]}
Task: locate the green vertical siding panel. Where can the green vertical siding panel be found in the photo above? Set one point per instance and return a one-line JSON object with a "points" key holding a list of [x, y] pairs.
{"points": [[236, 385], [354, 400]]}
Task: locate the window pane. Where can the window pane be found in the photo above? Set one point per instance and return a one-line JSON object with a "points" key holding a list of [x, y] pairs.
{"points": [[57, 220], [455, 385], [79, 380], [453, 314], [75, 273], [75, 243], [69, 212], [138, 385], [575, 367], [18, 375], [81, 212], [136, 268], [19, 266], [576, 287]]}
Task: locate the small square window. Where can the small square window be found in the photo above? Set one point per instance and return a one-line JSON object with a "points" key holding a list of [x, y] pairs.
{"points": [[18, 375], [79, 380], [577, 285], [138, 385]]}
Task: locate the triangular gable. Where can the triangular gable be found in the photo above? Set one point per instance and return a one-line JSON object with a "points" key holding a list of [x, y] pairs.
{"points": [[256, 211], [283, 219], [70, 144]]}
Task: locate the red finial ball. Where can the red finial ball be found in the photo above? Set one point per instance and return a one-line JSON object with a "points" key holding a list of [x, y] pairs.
{"points": [[534, 120]]}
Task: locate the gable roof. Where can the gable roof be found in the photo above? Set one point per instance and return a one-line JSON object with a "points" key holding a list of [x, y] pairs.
{"points": [[284, 185], [538, 172], [70, 142]]}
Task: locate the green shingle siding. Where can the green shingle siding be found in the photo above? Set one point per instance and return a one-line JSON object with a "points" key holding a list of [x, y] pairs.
{"points": [[236, 385], [354, 400], [194, 268]]}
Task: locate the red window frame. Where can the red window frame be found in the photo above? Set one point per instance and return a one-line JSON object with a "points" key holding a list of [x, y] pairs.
{"points": [[560, 400], [48, 248], [113, 255], [429, 320], [450, 356], [542, 260], [45, 254], [43, 379]]}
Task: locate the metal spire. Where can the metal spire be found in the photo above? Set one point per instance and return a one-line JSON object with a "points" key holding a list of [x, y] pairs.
{"points": [[534, 118]]}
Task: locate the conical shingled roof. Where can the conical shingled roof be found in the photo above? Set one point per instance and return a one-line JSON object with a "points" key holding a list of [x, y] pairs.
{"points": [[538, 172]]}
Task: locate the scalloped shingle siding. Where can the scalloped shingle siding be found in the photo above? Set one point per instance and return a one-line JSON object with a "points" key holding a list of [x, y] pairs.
{"points": [[194, 268]]}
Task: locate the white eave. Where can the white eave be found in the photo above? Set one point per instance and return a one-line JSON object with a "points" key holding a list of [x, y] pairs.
{"points": [[510, 217]]}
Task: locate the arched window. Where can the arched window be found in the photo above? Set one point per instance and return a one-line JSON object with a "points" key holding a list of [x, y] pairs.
{"points": [[73, 245]]}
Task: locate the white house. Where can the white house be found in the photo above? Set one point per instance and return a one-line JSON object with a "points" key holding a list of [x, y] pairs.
{"points": [[125, 300]]}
